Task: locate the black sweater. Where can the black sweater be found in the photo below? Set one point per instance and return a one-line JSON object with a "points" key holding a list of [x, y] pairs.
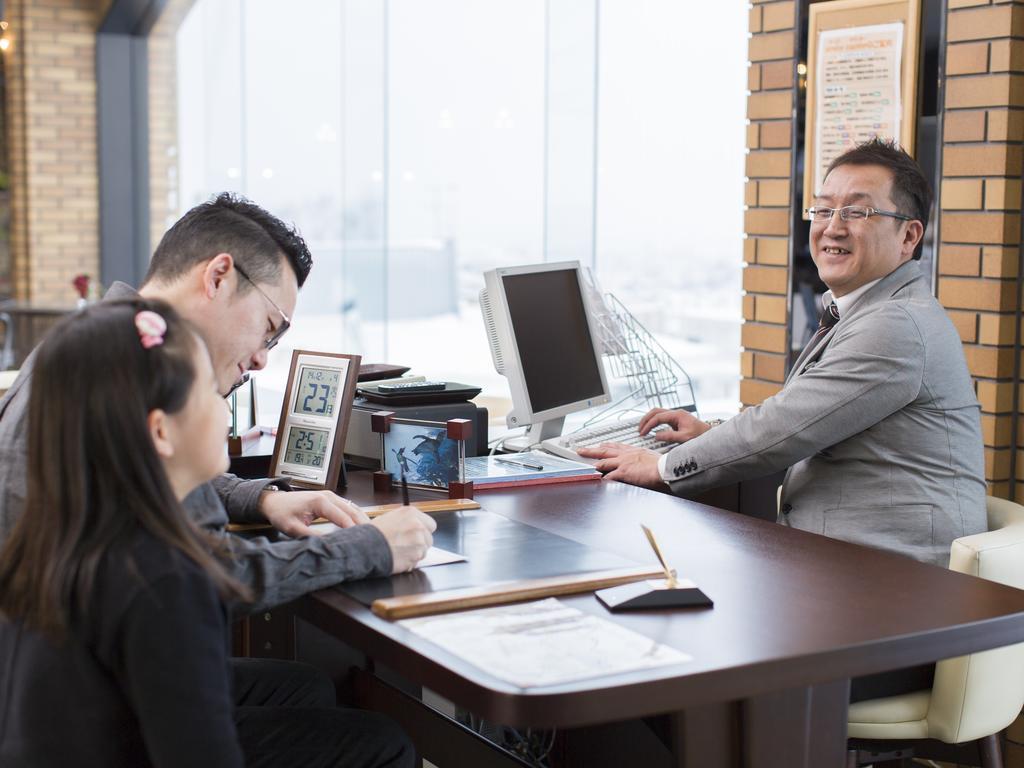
{"points": [[142, 680]]}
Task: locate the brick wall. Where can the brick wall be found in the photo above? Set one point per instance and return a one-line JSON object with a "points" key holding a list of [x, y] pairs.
{"points": [[980, 197], [771, 79], [51, 109]]}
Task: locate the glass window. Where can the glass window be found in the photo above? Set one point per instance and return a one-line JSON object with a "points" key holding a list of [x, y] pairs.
{"points": [[670, 180], [419, 143], [465, 172]]}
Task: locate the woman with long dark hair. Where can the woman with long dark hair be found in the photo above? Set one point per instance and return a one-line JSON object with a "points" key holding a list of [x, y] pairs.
{"points": [[112, 619]]}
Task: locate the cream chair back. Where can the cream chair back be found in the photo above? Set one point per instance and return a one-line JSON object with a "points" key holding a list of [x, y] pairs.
{"points": [[977, 695], [1002, 513]]}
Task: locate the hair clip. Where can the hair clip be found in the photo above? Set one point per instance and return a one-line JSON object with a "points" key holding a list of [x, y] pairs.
{"points": [[151, 328]]}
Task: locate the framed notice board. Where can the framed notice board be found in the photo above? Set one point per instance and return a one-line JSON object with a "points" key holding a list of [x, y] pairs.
{"points": [[862, 69]]}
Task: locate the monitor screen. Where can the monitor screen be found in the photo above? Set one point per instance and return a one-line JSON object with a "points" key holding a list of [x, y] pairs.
{"points": [[549, 320]]}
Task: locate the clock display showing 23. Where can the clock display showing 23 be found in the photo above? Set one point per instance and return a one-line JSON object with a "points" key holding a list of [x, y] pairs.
{"points": [[317, 391], [306, 446]]}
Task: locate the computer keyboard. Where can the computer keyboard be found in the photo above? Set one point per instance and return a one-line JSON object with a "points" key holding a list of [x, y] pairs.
{"points": [[618, 431]]}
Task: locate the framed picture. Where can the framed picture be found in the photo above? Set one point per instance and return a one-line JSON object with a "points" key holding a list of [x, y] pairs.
{"points": [[862, 72], [310, 445], [423, 452], [431, 455]]}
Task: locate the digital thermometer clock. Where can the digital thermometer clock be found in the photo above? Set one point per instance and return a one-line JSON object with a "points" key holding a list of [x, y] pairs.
{"points": [[310, 444]]}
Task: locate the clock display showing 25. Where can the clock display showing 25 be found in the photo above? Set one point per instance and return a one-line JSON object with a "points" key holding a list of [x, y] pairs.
{"points": [[306, 446], [317, 391]]}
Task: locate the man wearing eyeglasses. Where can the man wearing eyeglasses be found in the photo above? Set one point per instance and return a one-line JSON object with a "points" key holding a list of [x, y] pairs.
{"points": [[234, 271], [877, 423]]}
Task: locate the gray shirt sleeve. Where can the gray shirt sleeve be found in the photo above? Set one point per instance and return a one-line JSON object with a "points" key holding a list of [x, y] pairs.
{"points": [[14, 450], [13, 490], [281, 571], [241, 498]]}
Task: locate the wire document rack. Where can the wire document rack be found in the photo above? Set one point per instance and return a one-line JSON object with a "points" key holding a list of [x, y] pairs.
{"points": [[654, 379]]}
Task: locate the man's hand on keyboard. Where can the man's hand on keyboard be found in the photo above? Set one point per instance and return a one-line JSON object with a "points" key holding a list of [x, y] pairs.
{"points": [[683, 426], [636, 466]]}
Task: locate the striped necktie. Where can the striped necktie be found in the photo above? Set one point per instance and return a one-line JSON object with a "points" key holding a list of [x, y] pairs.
{"points": [[828, 319]]}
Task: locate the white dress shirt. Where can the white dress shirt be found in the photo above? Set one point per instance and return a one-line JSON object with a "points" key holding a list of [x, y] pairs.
{"points": [[845, 302]]}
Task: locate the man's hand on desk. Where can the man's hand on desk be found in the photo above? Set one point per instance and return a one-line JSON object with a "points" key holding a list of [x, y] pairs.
{"points": [[626, 463], [409, 533], [683, 426], [291, 512]]}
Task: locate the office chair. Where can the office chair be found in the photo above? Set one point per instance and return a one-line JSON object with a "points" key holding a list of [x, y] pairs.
{"points": [[973, 697]]}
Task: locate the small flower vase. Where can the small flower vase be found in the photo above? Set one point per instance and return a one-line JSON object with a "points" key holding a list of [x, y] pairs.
{"points": [[81, 284]]}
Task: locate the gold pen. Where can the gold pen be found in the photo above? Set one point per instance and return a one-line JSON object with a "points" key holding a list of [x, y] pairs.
{"points": [[670, 575]]}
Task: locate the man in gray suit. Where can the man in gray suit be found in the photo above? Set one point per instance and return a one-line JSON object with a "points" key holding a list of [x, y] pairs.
{"points": [[877, 422]]}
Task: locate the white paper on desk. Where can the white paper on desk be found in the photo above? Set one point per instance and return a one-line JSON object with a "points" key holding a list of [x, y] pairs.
{"points": [[438, 556], [434, 556], [543, 643]]}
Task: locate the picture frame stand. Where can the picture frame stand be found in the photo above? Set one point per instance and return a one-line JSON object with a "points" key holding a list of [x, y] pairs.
{"points": [[242, 437], [654, 593], [431, 453], [239, 444], [380, 422]]}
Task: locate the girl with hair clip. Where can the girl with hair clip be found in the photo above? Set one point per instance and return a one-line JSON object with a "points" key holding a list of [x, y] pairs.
{"points": [[112, 619]]}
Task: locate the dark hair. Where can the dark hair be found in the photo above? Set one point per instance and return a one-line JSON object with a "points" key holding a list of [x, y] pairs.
{"points": [[94, 476], [910, 189], [229, 223]]}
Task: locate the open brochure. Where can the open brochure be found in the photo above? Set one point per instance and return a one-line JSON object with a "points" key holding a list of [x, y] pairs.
{"points": [[529, 466], [543, 643]]}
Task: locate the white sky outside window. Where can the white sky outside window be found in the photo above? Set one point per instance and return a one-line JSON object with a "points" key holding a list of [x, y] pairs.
{"points": [[416, 146], [670, 180]]}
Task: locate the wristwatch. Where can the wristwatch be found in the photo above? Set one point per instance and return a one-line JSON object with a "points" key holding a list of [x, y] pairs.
{"points": [[714, 422]]}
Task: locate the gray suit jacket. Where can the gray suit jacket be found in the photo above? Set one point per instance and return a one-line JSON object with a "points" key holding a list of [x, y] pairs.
{"points": [[879, 426], [277, 571]]}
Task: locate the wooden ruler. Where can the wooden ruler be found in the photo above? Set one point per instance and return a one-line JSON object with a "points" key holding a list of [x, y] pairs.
{"points": [[430, 507], [508, 592]]}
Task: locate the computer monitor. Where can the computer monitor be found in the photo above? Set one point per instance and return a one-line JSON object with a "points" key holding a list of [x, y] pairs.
{"points": [[544, 341]]}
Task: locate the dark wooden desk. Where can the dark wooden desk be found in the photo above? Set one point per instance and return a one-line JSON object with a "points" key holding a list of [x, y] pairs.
{"points": [[796, 615]]}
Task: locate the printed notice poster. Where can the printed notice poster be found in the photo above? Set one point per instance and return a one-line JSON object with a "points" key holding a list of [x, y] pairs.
{"points": [[857, 84]]}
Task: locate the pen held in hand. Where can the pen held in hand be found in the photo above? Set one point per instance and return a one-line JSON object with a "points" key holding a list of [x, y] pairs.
{"points": [[405, 491]]}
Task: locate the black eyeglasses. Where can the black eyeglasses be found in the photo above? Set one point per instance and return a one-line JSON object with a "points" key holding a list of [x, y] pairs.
{"points": [[851, 213], [271, 341]]}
